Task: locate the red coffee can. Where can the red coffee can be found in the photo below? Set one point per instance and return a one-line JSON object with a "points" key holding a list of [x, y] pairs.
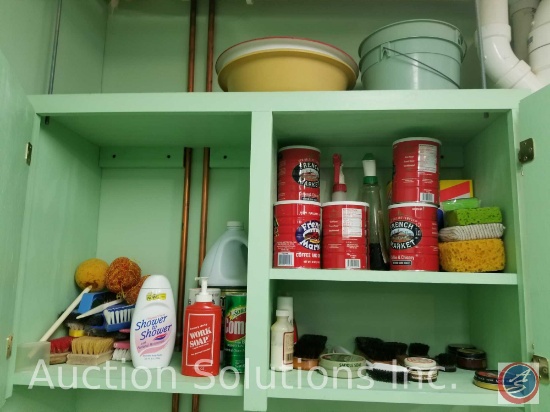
{"points": [[416, 170], [297, 234], [413, 237], [298, 174], [345, 229]]}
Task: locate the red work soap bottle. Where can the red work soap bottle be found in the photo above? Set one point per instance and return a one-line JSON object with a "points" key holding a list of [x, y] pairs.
{"points": [[201, 336]]}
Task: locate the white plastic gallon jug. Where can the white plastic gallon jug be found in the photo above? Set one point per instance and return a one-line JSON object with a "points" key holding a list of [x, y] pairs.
{"points": [[226, 261]]}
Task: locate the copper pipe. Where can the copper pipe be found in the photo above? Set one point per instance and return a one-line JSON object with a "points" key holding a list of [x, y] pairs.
{"points": [[191, 56], [183, 260], [175, 402], [206, 158], [204, 206], [183, 251], [196, 403], [210, 47], [202, 244], [186, 194]]}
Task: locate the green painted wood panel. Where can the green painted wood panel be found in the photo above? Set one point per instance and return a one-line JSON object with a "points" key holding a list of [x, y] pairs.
{"points": [[140, 217], [263, 181], [41, 399], [146, 48], [80, 56], [18, 125], [122, 377], [534, 123], [26, 32], [60, 227], [489, 161], [436, 101], [26, 38]]}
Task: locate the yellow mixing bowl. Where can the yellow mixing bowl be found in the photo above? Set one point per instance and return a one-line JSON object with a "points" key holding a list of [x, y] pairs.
{"points": [[297, 65]]}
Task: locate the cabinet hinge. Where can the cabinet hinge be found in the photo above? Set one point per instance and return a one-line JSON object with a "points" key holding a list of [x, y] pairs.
{"points": [[526, 151], [28, 153], [544, 376], [9, 344]]}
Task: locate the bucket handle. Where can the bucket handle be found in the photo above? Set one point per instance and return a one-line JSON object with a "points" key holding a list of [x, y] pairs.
{"points": [[385, 49]]}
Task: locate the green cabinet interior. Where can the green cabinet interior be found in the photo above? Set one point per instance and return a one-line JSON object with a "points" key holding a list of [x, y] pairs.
{"points": [[106, 180]]}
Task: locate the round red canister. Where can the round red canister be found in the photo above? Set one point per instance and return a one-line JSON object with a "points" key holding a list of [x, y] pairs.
{"points": [[345, 260], [413, 237], [297, 234], [298, 174], [416, 170], [345, 229]]}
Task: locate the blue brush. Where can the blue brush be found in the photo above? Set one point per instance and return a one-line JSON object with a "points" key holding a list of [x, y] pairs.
{"points": [[118, 317]]}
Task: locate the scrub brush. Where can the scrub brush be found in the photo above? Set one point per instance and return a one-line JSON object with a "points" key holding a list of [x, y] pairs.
{"points": [[122, 351], [89, 350], [307, 351], [390, 373], [418, 350], [59, 349], [376, 350], [118, 317], [76, 327], [446, 362]]}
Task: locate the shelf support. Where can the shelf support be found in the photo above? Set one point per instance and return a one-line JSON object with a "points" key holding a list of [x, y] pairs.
{"points": [[263, 164]]}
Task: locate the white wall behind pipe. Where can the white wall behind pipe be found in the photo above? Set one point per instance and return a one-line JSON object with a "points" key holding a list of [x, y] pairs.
{"points": [[539, 43], [502, 65], [522, 13]]}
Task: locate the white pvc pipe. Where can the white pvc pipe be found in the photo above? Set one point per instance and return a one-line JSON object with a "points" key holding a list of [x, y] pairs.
{"points": [[493, 12], [522, 13], [539, 42], [502, 65]]}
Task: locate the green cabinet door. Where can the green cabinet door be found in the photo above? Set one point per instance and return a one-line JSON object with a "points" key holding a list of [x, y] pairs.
{"points": [[17, 122], [534, 192]]}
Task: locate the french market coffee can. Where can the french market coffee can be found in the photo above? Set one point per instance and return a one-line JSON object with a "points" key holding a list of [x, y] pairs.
{"points": [[235, 331], [297, 234], [345, 232], [298, 173], [413, 237], [416, 170]]}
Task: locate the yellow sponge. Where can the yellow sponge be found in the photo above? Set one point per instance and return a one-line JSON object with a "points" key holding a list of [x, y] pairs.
{"points": [[485, 255]]}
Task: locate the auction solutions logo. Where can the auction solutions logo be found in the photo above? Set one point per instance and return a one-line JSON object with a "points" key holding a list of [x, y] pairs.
{"points": [[518, 383]]}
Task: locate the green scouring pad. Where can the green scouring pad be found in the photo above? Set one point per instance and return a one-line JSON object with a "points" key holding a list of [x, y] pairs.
{"points": [[464, 217]]}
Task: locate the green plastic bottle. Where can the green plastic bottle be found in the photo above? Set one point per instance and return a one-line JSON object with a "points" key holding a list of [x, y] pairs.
{"points": [[378, 247]]}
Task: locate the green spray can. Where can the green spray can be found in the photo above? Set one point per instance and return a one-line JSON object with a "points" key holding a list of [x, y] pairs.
{"points": [[235, 330]]}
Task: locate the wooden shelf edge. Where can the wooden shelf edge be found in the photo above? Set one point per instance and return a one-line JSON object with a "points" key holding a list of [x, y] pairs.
{"points": [[124, 377], [437, 100], [394, 277], [459, 390]]}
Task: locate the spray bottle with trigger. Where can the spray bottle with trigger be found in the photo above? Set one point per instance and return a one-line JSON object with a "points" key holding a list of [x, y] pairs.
{"points": [[339, 187], [201, 336]]}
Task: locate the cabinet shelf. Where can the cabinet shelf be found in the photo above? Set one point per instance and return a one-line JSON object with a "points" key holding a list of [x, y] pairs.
{"points": [[458, 389], [223, 119], [394, 277], [124, 377]]}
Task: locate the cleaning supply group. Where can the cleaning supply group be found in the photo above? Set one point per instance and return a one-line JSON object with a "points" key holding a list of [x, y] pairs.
{"points": [[432, 224], [124, 316]]}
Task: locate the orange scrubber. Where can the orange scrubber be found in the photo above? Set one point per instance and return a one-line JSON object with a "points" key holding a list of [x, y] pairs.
{"points": [[485, 255], [121, 275]]}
